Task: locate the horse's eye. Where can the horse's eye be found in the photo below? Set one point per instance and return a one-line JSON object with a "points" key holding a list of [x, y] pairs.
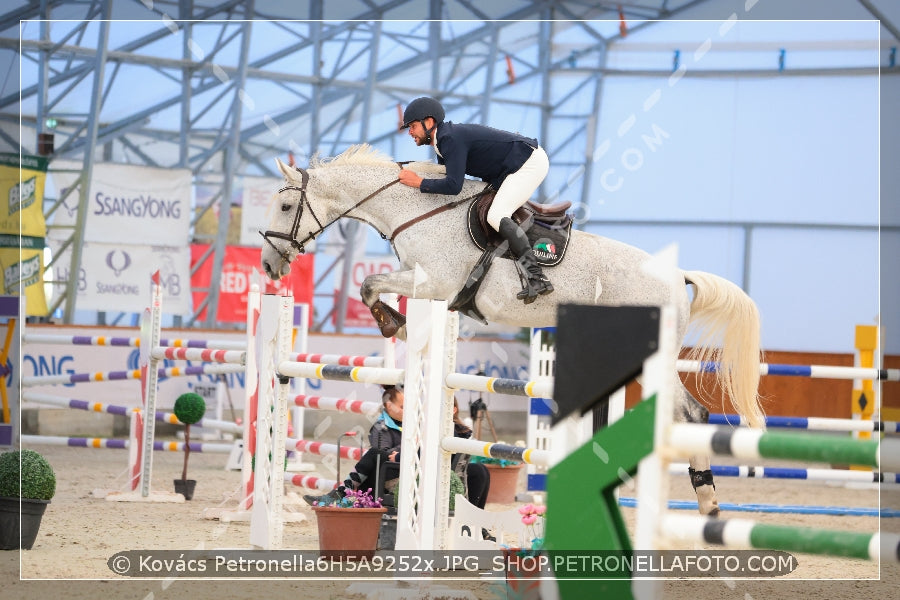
{"points": [[285, 207]]}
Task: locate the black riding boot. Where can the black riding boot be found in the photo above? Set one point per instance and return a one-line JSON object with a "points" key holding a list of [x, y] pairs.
{"points": [[535, 283]]}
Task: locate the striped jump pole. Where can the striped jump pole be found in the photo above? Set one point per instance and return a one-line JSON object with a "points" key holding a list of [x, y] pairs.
{"points": [[811, 423], [742, 533], [687, 439], [785, 509], [814, 371], [237, 357], [494, 450], [114, 409], [122, 444], [323, 448], [753, 472], [542, 388], [339, 404], [313, 482], [341, 373], [80, 340], [337, 359], [187, 371], [133, 342]]}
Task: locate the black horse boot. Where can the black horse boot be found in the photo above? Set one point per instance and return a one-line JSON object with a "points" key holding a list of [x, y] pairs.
{"points": [[534, 282]]}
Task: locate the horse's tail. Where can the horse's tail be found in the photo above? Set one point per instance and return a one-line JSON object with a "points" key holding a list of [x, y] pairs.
{"points": [[727, 322]]}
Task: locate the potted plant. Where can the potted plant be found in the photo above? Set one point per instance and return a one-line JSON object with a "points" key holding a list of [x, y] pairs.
{"points": [[348, 528], [27, 483], [504, 478], [189, 408]]}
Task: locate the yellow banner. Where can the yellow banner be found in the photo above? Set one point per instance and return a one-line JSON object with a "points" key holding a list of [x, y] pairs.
{"points": [[22, 196], [23, 272]]}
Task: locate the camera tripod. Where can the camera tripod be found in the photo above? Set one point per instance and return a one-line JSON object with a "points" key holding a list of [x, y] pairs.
{"points": [[479, 413]]}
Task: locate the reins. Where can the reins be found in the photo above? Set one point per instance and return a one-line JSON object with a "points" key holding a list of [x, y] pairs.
{"points": [[291, 237], [431, 213]]}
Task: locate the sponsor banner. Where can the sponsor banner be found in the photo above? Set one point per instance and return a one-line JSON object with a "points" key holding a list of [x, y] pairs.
{"points": [[128, 203], [23, 274], [116, 277], [22, 188], [358, 314], [496, 357], [239, 268], [256, 200]]}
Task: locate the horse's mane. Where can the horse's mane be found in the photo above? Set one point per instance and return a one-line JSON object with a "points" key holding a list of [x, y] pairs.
{"points": [[368, 156]]}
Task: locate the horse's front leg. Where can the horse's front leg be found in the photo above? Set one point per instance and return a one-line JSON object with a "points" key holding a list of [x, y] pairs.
{"points": [[390, 322]]}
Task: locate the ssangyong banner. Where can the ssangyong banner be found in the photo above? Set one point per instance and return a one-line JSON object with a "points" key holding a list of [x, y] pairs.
{"points": [[237, 274], [127, 203], [256, 199], [116, 277]]}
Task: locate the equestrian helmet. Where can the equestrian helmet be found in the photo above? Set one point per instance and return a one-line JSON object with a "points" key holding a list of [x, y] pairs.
{"points": [[423, 107]]}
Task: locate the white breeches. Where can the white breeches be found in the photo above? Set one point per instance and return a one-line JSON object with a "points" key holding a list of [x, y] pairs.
{"points": [[518, 187]]}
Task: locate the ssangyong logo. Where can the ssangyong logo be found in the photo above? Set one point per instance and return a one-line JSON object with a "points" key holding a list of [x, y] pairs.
{"points": [[27, 272], [118, 264], [21, 196]]}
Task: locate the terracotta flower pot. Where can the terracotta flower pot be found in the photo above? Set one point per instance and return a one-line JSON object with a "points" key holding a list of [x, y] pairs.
{"points": [[504, 482], [522, 573], [348, 533]]}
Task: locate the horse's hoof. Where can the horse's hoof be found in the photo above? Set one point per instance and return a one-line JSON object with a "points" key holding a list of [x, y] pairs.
{"points": [[389, 330], [707, 503], [389, 320]]}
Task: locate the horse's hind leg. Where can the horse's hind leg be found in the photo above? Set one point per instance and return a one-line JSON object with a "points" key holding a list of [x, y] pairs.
{"points": [[688, 409]]}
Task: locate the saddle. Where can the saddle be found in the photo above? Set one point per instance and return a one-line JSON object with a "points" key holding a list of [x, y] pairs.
{"points": [[547, 226]]}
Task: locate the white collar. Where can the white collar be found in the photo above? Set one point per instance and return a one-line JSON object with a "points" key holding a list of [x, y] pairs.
{"points": [[434, 142]]}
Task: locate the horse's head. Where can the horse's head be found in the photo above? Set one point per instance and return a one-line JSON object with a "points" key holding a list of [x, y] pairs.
{"points": [[293, 224]]}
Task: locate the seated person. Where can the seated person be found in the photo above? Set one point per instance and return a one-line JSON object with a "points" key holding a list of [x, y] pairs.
{"points": [[385, 436], [475, 476]]}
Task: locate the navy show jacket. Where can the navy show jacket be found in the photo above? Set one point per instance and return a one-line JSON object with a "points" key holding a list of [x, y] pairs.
{"points": [[477, 150]]}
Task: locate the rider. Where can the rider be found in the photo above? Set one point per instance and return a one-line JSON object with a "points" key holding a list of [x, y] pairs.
{"points": [[513, 164]]}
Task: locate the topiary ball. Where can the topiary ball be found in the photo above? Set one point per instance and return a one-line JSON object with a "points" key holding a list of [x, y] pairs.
{"points": [[26, 474], [190, 408]]}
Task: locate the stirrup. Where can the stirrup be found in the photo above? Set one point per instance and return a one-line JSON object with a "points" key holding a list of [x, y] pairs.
{"points": [[534, 287]]}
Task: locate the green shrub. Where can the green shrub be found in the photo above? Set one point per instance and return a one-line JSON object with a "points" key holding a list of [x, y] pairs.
{"points": [[38, 480], [190, 408], [456, 487]]}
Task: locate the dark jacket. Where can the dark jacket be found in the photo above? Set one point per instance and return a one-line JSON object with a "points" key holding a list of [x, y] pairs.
{"points": [[479, 151], [386, 434]]}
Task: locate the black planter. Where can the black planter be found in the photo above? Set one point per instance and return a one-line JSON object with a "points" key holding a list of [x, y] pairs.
{"points": [[12, 537], [185, 487]]}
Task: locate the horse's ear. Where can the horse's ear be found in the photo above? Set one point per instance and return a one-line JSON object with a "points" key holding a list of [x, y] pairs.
{"points": [[285, 169]]}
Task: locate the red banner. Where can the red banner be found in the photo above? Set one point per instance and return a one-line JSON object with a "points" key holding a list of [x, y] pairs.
{"points": [[234, 281], [358, 314]]}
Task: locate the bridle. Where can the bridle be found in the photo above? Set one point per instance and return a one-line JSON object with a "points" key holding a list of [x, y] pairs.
{"points": [[292, 236], [299, 245]]}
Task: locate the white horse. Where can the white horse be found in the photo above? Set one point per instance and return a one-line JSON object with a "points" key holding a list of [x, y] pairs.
{"points": [[437, 256]]}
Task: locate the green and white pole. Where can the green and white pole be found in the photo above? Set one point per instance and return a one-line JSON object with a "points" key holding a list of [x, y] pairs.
{"points": [[689, 439], [744, 533]]}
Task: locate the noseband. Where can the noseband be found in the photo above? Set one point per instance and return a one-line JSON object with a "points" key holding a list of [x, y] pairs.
{"points": [[292, 236]]}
